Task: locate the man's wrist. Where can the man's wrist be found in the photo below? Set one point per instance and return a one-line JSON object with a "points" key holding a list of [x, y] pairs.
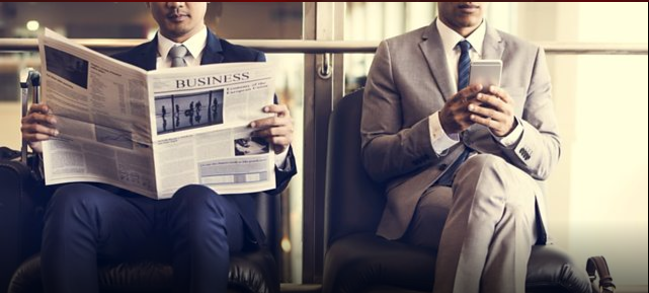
{"points": [[511, 138], [281, 160], [440, 140]]}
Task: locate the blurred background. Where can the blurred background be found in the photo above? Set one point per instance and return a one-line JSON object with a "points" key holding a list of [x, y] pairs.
{"points": [[597, 195]]}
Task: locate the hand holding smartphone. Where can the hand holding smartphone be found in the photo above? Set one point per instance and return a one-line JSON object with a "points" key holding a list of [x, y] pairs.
{"points": [[486, 73]]}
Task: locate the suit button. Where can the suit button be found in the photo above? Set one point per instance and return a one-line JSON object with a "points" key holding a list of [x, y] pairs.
{"points": [[442, 167]]}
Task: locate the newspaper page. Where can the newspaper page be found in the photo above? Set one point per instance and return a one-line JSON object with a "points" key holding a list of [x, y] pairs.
{"points": [[202, 116], [154, 132]]}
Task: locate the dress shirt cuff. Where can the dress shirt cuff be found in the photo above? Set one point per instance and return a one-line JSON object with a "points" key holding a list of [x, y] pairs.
{"points": [[280, 160], [510, 140], [440, 141]]}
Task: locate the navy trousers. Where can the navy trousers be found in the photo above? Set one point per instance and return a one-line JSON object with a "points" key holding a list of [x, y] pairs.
{"points": [[86, 225]]}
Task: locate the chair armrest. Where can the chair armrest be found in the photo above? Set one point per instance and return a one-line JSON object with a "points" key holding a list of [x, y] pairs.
{"points": [[22, 202], [597, 268]]}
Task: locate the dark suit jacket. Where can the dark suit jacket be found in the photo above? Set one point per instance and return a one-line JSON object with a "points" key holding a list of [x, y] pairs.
{"points": [[220, 51]]}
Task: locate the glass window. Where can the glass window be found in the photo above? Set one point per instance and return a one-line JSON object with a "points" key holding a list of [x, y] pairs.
{"points": [[608, 161]]}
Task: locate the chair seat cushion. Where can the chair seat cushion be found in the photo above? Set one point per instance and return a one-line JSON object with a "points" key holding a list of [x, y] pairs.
{"points": [[252, 272], [368, 263]]}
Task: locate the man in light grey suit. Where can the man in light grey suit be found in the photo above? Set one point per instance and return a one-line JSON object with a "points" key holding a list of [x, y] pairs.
{"points": [[460, 161]]}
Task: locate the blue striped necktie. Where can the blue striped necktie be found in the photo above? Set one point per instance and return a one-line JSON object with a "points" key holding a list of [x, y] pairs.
{"points": [[463, 73], [464, 65]]}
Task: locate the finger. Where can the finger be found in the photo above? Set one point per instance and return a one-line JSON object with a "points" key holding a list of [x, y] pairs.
{"points": [[501, 93], [39, 128], [488, 122], [469, 91], [271, 122], [37, 117], [280, 110], [273, 131], [487, 112], [493, 101], [42, 108], [36, 137], [280, 140]]}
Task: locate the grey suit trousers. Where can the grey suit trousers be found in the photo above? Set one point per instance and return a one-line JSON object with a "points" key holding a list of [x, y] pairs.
{"points": [[483, 227]]}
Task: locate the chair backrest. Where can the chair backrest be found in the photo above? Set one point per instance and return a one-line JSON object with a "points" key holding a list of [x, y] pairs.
{"points": [[353, 202]]}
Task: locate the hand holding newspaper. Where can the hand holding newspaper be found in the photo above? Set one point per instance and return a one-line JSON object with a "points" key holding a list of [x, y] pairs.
{"points": [[154, 132]]}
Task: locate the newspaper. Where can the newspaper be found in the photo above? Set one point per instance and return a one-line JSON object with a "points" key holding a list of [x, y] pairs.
{"points": [[154, 132]]}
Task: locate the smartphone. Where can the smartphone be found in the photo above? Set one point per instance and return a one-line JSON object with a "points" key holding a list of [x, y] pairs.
{"points": [[486, 72]]}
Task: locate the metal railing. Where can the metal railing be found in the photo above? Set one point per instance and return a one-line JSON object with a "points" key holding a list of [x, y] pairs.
{"points": [[317, 47]]}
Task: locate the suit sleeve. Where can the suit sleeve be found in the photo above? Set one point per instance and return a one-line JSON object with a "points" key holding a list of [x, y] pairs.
{"points": [[390, 149], [261, 57], [539, 148]]}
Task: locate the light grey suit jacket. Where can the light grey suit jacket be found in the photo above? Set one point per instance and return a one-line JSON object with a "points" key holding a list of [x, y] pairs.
{"points": [[409, 80]]}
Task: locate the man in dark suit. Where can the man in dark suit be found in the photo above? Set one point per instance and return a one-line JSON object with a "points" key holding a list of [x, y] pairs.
{"points": [[459, 160], [196, 229]]}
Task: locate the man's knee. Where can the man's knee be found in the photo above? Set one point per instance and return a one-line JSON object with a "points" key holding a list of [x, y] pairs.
{"points": [[73, 208], [481, 175], [198, 197], [496, 181], [73, 196], [483, 162]]}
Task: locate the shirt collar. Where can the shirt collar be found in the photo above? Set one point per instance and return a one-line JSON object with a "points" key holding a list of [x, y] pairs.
{"points": [[450, 38], [195, 44]]}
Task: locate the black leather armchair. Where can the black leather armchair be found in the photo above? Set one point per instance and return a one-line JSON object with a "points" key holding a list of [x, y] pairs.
{"points": [[357, 261], [22, 202]]}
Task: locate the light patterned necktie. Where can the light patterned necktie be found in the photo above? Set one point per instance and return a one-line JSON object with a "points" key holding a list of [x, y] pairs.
{"points": [[177, 54]]}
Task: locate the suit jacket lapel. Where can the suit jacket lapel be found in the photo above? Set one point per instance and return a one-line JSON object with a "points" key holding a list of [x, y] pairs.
{"points": [[213, 52], [492, 46], [436, 59], [149, 56]]}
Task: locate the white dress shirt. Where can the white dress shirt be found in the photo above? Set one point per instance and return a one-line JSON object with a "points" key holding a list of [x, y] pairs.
{"points": [[440, 140], [195, 45]]}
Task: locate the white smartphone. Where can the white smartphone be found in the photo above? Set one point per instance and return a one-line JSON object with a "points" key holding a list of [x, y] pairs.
{"points": [[486, 72]]}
